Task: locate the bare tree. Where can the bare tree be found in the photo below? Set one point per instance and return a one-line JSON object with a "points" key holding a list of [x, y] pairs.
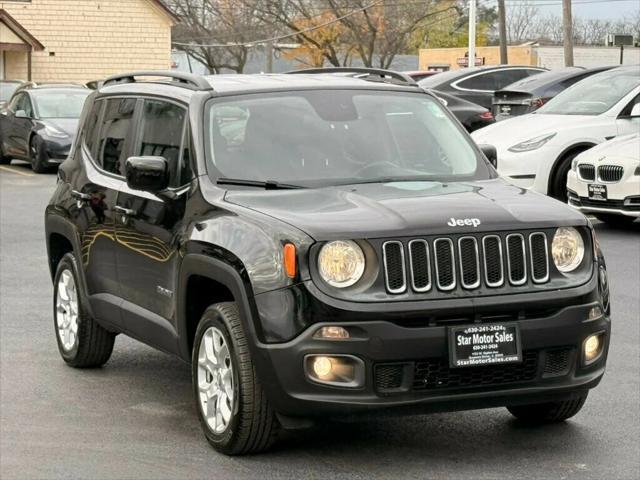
{"points": [[374, 31], [521, 18], [217, 33]]}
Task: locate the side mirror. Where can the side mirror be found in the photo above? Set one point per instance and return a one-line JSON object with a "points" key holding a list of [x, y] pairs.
{"points": [[491, 153], [150, 174], [21, 114]]}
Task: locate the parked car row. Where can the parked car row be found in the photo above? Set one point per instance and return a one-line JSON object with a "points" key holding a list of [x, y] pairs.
{"points": [[537, 150]]}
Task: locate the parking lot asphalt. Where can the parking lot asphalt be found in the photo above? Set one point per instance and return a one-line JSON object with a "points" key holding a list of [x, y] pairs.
{"points": [[135, 417]]}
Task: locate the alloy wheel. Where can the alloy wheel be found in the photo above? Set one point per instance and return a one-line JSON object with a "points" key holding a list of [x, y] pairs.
{"points": [[67, 311], [215, 380]]}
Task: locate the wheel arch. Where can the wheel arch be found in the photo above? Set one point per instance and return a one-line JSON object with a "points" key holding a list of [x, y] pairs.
{"points": [[205, 280], [61, 238], [576, 147]]}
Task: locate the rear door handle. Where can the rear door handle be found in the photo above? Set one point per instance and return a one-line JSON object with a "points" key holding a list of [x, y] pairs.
{"points": [[128, 212]]}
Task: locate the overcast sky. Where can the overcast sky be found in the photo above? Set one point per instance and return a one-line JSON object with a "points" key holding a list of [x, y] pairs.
{"points": [[612, 9]]}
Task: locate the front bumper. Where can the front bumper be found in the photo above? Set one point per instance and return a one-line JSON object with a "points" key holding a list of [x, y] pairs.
{"points": [[552, 367], [528, 169], [622, 196], [57, 150]]}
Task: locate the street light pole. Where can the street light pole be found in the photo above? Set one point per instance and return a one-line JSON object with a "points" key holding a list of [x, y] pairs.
{"points": [[472, 34]]}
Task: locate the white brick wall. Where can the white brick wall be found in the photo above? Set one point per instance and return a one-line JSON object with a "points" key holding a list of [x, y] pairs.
{"points": [[553, 57], [92, 39]]}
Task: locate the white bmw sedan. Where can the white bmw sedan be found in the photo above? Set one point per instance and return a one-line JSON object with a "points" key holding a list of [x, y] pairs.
{"points": [[535, 150], [605, 181]]}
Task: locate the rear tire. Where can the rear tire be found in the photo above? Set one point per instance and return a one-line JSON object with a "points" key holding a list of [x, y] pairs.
{"points": [[82, 342], [251, 426], [552, 412], [617, 221], [38, 155]]}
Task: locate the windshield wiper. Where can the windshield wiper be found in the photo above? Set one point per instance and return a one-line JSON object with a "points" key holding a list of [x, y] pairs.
{"points": [[267, 184]]}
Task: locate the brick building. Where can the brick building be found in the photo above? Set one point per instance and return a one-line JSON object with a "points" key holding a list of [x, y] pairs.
{"points": [[82, 40]]}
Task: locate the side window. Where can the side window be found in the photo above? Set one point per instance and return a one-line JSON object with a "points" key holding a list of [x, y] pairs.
{"points": [[485, 81], [507, 77], [115, 132], [24, 103], [626, 111], [90, 132], [161, 135], [184, 173], [13, 105]]}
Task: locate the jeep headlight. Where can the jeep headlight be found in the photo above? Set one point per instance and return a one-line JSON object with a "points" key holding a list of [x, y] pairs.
{"points": [[567, 249], [341, 263], [531, 144]]}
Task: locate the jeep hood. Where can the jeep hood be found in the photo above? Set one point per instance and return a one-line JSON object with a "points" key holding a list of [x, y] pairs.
{"points": [[395, 209]]}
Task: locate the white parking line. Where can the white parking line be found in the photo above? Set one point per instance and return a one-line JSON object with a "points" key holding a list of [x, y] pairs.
{"points": [[24, 174]]}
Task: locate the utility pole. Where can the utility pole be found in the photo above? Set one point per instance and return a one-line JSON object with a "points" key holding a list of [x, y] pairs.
{"points": [[502, 30], [472, 34], [268, 50], [567, 28]]}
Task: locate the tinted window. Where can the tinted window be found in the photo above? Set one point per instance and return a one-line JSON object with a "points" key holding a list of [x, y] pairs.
{"points": [[24, 103], [91, 127], [485, 81], [507, 77], [115, 133], [184, 174], [161, 133]]}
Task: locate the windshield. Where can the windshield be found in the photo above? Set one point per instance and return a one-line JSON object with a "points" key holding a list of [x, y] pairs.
{"points": [[593, 95], [60, 103], [313, 138], [7, 89]]}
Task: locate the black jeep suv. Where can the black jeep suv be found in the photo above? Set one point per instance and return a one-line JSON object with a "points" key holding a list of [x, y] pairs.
{"points": [[317, 245]]}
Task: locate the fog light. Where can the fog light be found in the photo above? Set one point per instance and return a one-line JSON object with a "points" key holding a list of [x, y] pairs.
{"points": [[322, 367], [592, 348], [594, 313], [332, 333], [338, 370]]}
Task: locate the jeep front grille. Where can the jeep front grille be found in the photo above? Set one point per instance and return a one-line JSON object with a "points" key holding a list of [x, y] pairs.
{"points": [[610, 173], [467, 262]]}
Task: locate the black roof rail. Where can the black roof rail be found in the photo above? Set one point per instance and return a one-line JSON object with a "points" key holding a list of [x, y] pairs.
{"points": [[381, 73], [187, 80]]}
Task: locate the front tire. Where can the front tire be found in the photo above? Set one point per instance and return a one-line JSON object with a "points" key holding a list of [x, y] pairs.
{"points": [[617, 221], [38, 155], [82, 342], [558, 187], [552, 412], [4, 160], [234, 412]]}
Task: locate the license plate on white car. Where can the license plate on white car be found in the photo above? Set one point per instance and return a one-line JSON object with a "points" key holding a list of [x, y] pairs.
{"points": [[597, 191], [477, 345]]}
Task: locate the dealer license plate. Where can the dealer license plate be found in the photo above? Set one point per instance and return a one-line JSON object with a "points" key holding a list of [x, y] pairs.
{"points": [[476, 345], [597, 191]]}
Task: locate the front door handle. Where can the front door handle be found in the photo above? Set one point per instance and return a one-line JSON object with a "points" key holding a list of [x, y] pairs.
{"points": [[127, 212]]}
